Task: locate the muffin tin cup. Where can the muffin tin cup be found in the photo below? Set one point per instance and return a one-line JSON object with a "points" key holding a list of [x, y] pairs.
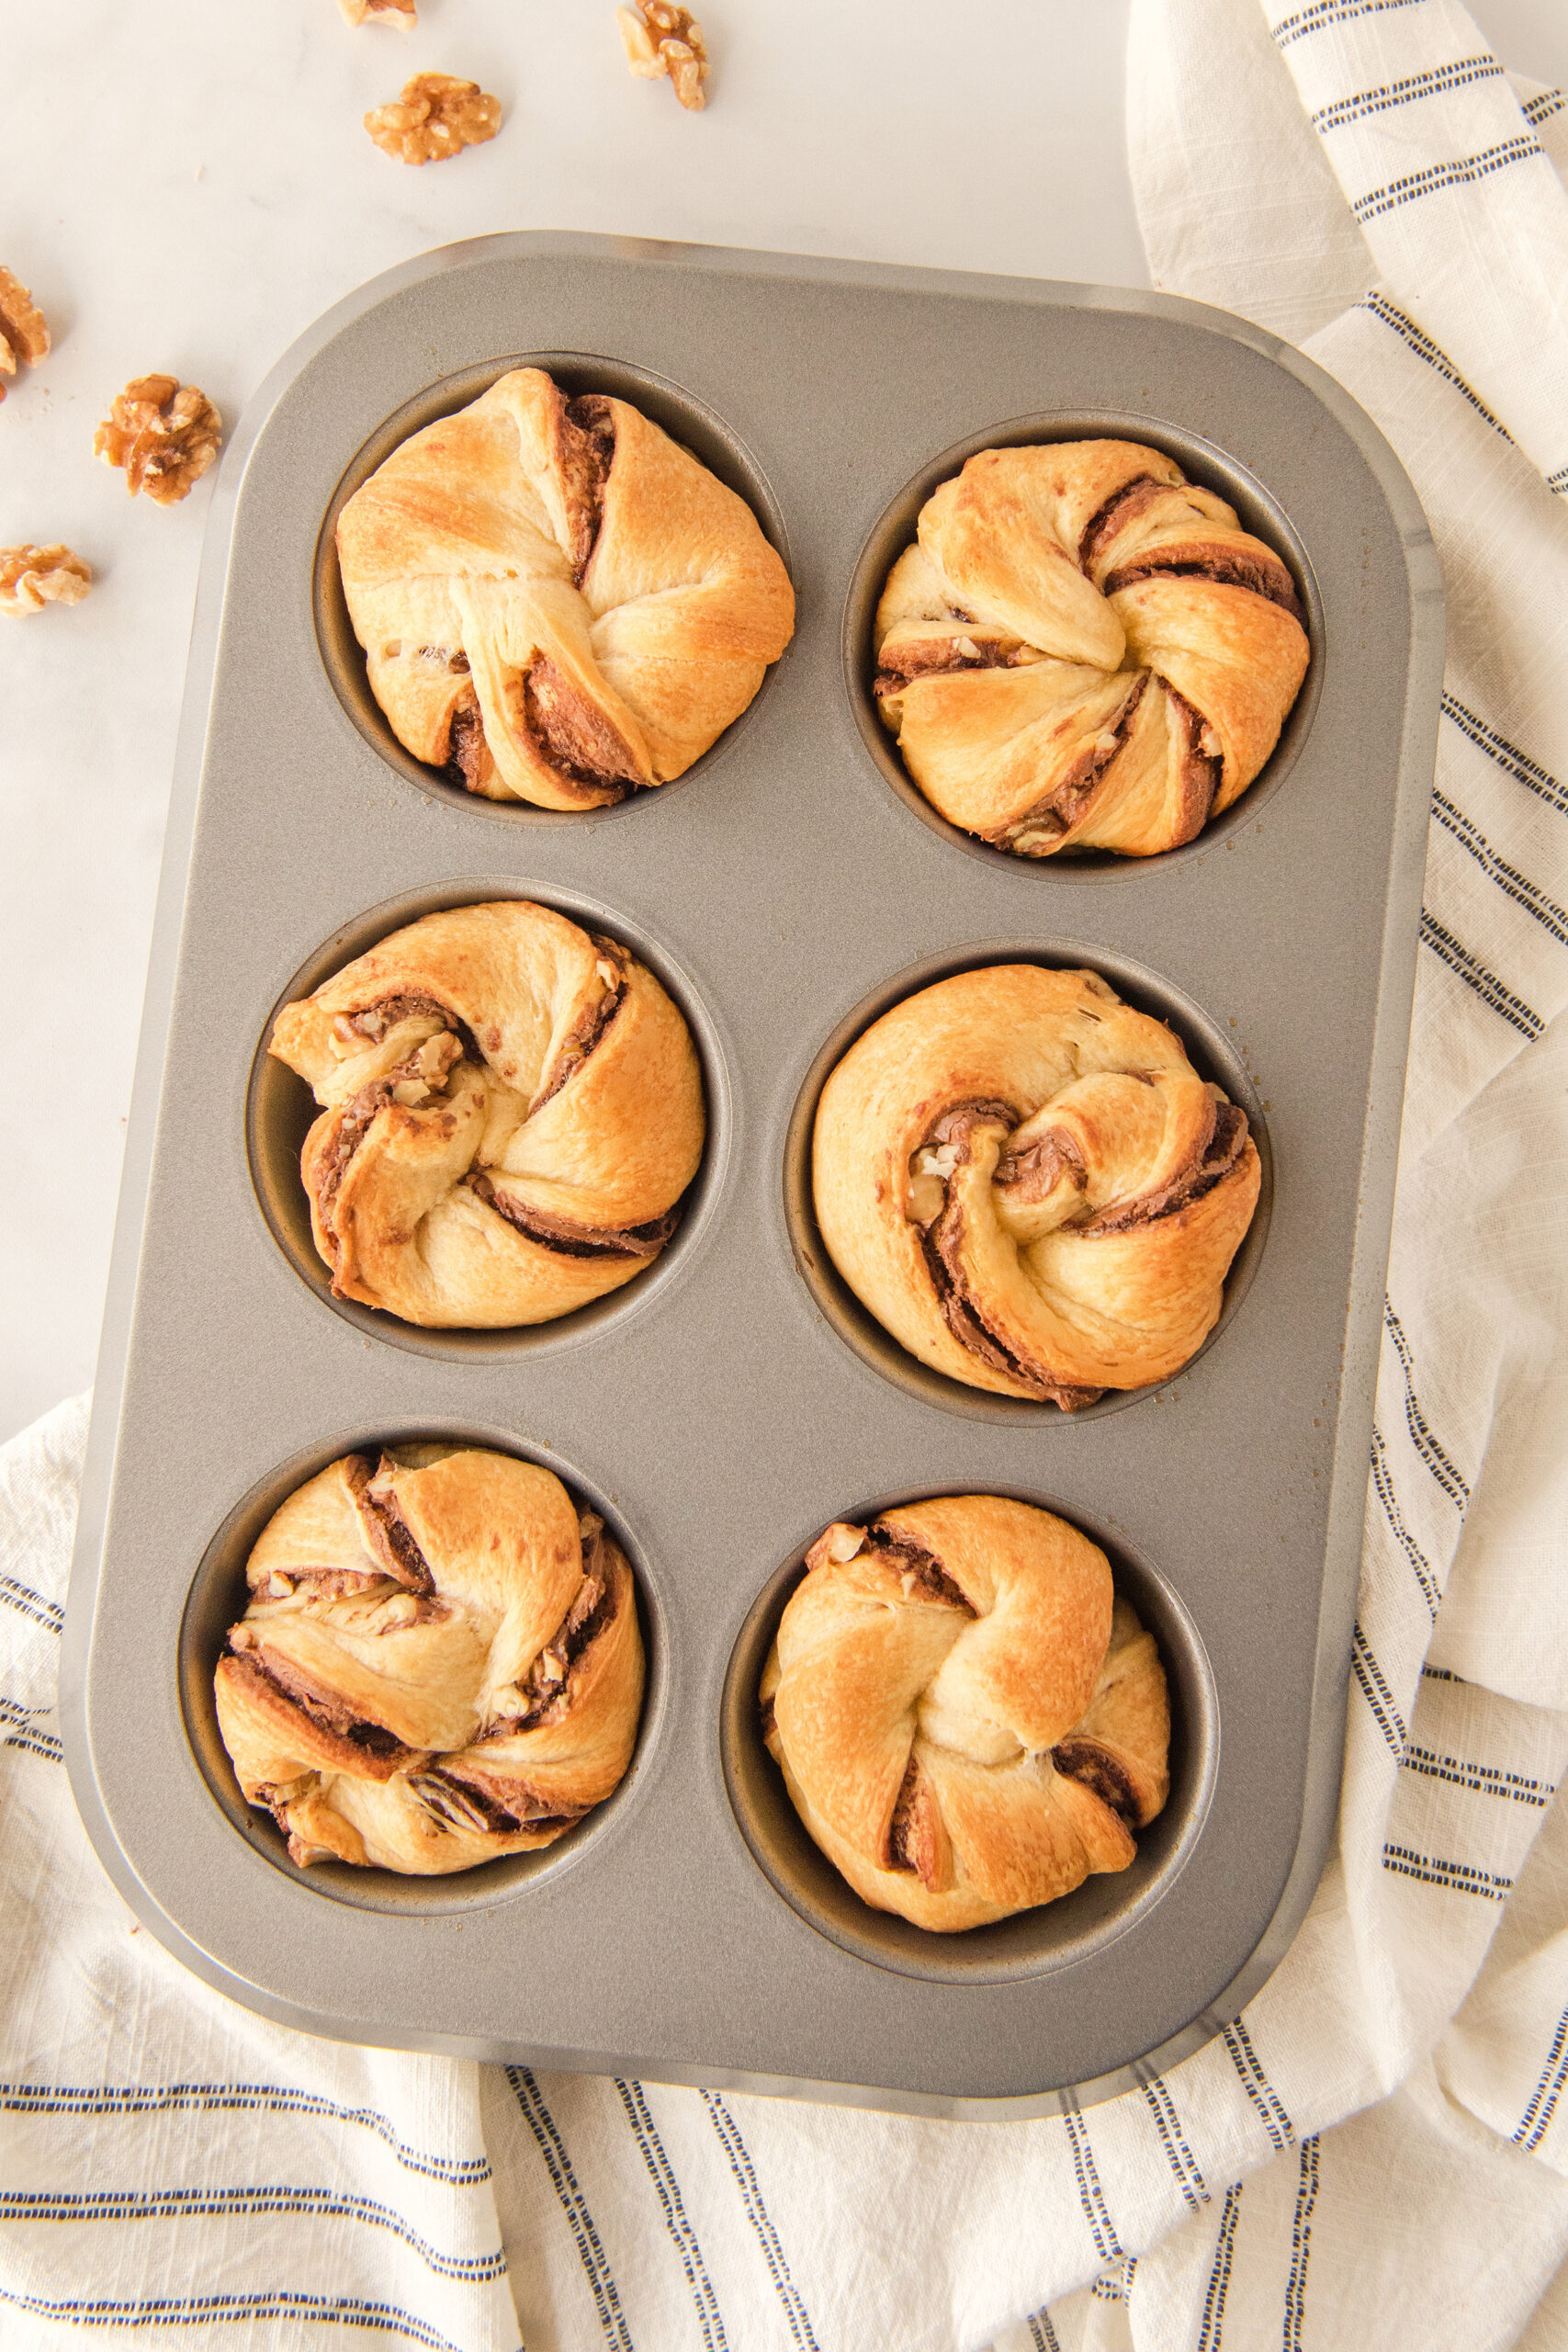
{"points": [[725, 1406]]}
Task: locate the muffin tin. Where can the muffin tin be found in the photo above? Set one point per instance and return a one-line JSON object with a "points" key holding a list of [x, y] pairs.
{"points": [[733, 1399]]}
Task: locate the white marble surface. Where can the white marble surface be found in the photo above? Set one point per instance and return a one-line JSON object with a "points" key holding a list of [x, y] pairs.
{"points": [[185, 187]]}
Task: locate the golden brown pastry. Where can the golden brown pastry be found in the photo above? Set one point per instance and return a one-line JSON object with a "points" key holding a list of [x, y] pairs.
{"points": [[1083, 650], [440, 1662], [1030, 1186], [556, 600], [512, 1110], [968, 1718]]}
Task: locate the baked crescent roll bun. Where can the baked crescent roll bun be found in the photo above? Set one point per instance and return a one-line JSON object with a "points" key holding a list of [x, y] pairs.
{"points": [[511, 1109], [440, 1663], [968, 1718], [557, 602], [1085, 650], [1030, 1186]]}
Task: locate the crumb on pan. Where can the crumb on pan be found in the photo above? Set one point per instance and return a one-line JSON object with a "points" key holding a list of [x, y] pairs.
{"points": [[24, 333], [402, 12], [661, 39], [435, 116], [32, 577], [164, 433]]}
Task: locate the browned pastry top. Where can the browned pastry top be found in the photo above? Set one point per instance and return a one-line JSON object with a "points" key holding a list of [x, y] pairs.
{"points": [[440, 1663], [968, 1719], [556, 600], [1083, 650]]}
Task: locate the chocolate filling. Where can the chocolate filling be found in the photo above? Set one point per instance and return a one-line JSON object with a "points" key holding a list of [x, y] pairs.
{"points": [[1099, 1770], [569, 1239], [1123, 506], [1067, 799], [1034, 1174], [390, 1537], [586, 1032], [586, 451], [913, 1839], [1263, 574], [375, 1019], [469, 761], [906, 1558], [493, 1808], [571, 734], [1226, 1141], [940, 657], [353, 1122], [322, 1708]]}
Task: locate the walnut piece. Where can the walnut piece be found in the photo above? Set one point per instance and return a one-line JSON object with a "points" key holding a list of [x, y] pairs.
{"points": [[31, 578], [402, 12], [659, 38], [23, 332], [164, 433], [435, 117]]}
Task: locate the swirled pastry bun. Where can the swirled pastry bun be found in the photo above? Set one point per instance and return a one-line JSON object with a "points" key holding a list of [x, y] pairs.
{"points": [[441, 1662], [1030, 1186], [511, 1110], [968, 1719], [556, 600], [1085, 650]]}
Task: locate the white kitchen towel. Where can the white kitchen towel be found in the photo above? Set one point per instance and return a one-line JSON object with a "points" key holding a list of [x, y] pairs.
{"points": [[1377, 2153]]}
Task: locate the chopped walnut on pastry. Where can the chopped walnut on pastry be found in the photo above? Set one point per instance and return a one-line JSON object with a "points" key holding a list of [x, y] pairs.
{"points": [[32, 577], [434, 117], [1030, 1186], [1085, 650], [163, 434], [441, 1663], [970, 1720]]}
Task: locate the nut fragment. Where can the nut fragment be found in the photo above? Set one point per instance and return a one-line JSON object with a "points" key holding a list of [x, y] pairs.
{"points": [[23, 332], [31, 578], [164, 433], [436, 116], [380, 12], [659, 38]]}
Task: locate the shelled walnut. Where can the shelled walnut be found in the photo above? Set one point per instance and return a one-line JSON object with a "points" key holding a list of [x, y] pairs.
{"points": [[435, 117], [32, 577], [661, 39], [164, 433], [24, 334], [402, 12]]}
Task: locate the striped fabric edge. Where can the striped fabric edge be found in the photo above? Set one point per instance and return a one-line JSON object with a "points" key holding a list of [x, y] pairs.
{"points": [[21, 1597], [1461, 170], [1375, 1691], [1419, 1566], [197, 2310], [1212, 2326], [1326, 13], [1479, 980], [1255, 2084], [1437, 1460], [204, 2204], [1525, 894], [1301, 2247], [1455, 1878], [22, 1727], [1482, 1779], [1041, 2335], [276, 2098], [574, 2205], [1173, 2139], [1414, 86], [1506, 755], [1390, 315], [1091, 2196], [683, 2236], [1536, 2121], [744, 2173]]}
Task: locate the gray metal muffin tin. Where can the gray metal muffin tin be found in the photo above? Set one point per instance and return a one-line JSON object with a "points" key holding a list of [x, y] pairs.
{"points": [[731, 1401]]}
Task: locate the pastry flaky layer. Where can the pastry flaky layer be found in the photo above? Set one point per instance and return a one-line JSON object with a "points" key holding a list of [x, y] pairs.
{"points": [[511, 1109], [1085, 650], [441, 1662], [969, 1720], [1029, 1185], [556, 600]]}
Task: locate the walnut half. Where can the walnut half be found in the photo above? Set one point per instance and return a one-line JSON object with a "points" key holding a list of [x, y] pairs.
{"points": [[32, 577], [402, 12], [659, 38], [436, 116], [23, 332], [164, 433]]}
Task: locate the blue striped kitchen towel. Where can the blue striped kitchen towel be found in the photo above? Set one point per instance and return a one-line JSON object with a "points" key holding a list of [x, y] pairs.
{"points": [[1376, 2154]]}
